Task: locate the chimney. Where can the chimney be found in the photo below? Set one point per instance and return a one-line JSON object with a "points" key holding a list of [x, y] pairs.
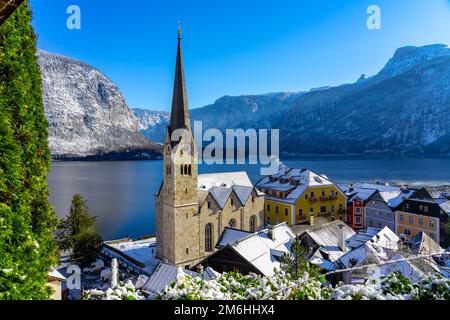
{"points": [[311, 219], [200, 269], [341, 238]]}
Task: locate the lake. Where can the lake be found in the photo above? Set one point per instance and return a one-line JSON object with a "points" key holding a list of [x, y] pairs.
{"points": [[121, 194]]}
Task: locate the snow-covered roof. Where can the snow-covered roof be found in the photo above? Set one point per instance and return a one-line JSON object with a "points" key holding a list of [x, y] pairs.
{"points": [[375, 186], [55, 274], [384, 237], [294, 181], [163, 276], [223, 179], [138, 254], [394, 198], [230, 235], [221, 185], [326, 237], [262, 249], [360, 193], [424, 245]]}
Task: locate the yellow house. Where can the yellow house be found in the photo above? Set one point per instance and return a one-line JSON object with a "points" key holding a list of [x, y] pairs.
{"points": [[410, 224], [299, 195]]}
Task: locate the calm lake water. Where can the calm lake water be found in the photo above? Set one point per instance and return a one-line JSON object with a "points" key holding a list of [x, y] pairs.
{"points": [[121, 194]]}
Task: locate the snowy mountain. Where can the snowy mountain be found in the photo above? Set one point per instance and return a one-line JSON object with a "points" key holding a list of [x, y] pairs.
{"points": [[404, 109], [87, 114], [249, 111], [153, 124]]}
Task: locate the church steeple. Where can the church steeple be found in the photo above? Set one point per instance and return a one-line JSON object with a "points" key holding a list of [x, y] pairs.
{"points": [[179, 118]]}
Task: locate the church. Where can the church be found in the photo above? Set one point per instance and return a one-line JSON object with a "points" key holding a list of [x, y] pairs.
{"points": [[193, 210]]}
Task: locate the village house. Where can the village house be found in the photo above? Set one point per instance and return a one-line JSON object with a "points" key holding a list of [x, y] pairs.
{"points": [[258, 252], [356, 203], [379, 252], [326, 243], [295, 196], [427, 210], [382, 205]]}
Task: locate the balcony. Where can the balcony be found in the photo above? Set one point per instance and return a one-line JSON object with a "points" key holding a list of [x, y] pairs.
{"points": [[313, 199], [325, 198]]}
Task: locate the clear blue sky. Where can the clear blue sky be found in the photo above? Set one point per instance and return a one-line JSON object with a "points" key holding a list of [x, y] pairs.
{"points": [[234, 47]]}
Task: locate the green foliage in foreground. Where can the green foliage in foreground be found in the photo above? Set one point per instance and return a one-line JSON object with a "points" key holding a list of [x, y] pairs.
{"points": [[234, 286], [77, 233], [27, 251]]}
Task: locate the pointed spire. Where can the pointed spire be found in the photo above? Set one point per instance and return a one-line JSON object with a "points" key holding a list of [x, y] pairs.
{"points": [[180, 115]]}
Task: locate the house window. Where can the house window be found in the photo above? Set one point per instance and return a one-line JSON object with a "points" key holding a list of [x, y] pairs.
{"points": [[252, 223], [232, 223], [357, 220], [323, 209], [276, 209], [312, 194], [285, 211], [268, 220], [323, 193], [420, 222], [268, 207], [407, 206], [306, 197], [358, 210], [332, 207], [208, 237], [332, 218], [401, 218], [232, 202], [340, 206], [209, 205], [311, 209], [410, 220], [431, 224], [421, 207], [425, 208]]}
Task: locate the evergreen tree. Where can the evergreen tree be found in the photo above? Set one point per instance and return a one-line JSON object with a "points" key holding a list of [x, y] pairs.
{"points": [[295, 263], [27, 249], [77, 232]]}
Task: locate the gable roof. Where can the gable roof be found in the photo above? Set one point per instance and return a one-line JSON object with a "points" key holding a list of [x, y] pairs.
{"points": [[294, 181], [230, 235], [221, 185], [262, 249]]}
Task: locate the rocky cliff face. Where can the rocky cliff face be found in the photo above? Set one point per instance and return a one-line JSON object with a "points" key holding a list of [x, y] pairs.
{"points": [[404, 109], [87, 114]]}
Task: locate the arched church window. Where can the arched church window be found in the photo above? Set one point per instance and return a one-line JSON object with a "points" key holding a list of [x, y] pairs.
{"points": [[208, 237], [232, 223], [190, 170], [186, 169], [252, 223]]}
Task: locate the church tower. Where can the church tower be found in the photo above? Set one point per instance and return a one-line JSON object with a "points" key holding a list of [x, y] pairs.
{"points": [[177, 217]]}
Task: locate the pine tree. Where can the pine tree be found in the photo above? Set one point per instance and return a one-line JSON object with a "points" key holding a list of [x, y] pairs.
{"points": [[295, 263], [77, 232], [27, 249]]}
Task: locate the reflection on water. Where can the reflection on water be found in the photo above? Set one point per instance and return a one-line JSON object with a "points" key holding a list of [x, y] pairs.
{"points": [[121, 194]]}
